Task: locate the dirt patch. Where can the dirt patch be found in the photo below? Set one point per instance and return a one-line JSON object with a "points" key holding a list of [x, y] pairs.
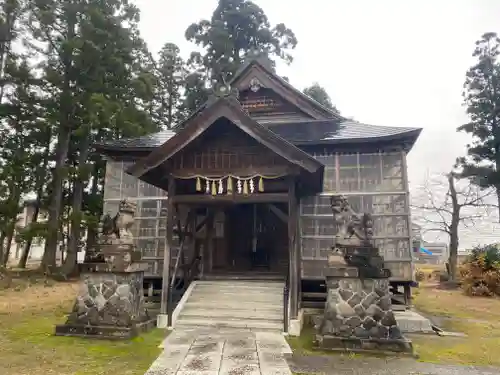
{"points": [[37, 297]]}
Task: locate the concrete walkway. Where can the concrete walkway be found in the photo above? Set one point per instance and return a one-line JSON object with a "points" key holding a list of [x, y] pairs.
{"points": [[217, 352], [365, 365]]}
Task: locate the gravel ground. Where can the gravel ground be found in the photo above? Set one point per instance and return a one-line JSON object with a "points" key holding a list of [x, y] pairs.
{"points": [[342, 365]]}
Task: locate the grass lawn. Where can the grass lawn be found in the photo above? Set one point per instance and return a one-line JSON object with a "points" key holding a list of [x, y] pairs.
{"points": [[478, 317], [29, 311]]}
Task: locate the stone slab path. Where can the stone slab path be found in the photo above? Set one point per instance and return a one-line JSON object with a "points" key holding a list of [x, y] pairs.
{"points": [[217, 352], [343, 365]]}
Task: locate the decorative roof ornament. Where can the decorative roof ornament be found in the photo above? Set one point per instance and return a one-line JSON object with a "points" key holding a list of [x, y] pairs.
{"points": [[221, 87], [255, 84]]}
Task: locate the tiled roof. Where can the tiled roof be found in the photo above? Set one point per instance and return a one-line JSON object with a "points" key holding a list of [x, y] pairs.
{"points": [[332, 131], [304, 132], [146, 141]]}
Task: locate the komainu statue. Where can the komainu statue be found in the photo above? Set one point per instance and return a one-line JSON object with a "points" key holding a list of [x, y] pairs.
{"points": [[357, 229], [354, 240], [115, 242], [116, 230]]}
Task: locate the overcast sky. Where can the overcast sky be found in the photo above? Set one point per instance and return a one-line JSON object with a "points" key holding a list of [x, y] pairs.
{"points": [[384, 62]]}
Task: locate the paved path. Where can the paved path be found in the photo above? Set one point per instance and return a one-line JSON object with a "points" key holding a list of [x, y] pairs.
{"points": [[344, 365], [217, 352]]}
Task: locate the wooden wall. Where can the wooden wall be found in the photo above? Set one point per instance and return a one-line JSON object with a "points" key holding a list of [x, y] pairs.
{"points": [[374, 183]]}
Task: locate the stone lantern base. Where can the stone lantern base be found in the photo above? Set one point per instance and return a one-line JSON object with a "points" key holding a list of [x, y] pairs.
{"points": [[109, 305]]}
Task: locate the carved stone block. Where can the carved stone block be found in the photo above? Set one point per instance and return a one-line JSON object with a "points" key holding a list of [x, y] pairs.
{"points": [[108, 305], [359, 309]]}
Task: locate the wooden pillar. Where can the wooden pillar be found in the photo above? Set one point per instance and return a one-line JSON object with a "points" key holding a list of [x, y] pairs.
{"points": [[168, 245], [292, 249], [208, 246], [298, 251]]}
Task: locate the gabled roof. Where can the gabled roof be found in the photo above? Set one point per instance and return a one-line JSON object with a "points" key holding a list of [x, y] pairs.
{"points": [[230, 109], [325, 126], [311, 132], [257, 68], [335, 132]]}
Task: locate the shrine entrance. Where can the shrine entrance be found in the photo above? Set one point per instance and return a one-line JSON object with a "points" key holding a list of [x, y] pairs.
{"points": [[233, 188], [254, 240]]}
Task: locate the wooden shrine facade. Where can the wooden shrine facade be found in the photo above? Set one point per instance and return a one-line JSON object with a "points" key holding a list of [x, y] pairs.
{"points": [[234, 188], [236, 172]]}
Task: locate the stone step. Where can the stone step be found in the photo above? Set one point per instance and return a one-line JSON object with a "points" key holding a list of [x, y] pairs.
{"points": [[224, 289], [228, 314], [244, 291], [242, 285], [199, 295], [233, 306], [258, 325], [241, 291]]}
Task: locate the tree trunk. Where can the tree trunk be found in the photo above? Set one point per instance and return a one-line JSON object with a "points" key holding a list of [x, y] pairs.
{"points": [[34, 218], [63, 142], [497, 188], [40, 182], [92, 229], [453, 228], [11, 13], [8, 244], [69, 265], [2, 243], [49, 256]]}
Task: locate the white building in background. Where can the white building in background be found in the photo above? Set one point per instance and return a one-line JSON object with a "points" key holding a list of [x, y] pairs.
{"points": [[438, 252], [38, 244]]}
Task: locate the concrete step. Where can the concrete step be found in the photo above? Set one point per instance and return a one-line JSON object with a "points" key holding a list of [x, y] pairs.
{"points": [[239, 291], [229, 314], [258, 325], [234, 306], [257, 298], [242, 285]]}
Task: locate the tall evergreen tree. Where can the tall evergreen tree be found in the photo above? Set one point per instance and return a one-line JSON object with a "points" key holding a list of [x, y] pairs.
{"points": [[318, 93], [482, 98], [171, 72], [235, 28], [95, 71], [20, 130]]}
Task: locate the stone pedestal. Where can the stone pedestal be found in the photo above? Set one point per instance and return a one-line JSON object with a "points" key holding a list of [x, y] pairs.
{"points": [[358, 315], [109, 305]]}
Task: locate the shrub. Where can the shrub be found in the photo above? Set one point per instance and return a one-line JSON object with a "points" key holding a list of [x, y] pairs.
{"points": [[419, 275], [480, 273]]}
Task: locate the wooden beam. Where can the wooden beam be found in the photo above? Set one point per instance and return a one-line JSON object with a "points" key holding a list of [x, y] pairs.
{"points": [[168, 246], [281, 215], [202, 199], [292, 248]]}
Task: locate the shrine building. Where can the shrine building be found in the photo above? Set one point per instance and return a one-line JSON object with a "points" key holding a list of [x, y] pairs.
{"points": [[249, 178]]}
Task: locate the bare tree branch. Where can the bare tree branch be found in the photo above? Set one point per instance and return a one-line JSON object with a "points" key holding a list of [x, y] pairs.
{"points": [[445, 203]]}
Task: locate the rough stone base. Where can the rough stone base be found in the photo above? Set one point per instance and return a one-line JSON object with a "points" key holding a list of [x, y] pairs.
{"points": [[357, 345], [109, 305], [104, 332], [359, 308]]}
